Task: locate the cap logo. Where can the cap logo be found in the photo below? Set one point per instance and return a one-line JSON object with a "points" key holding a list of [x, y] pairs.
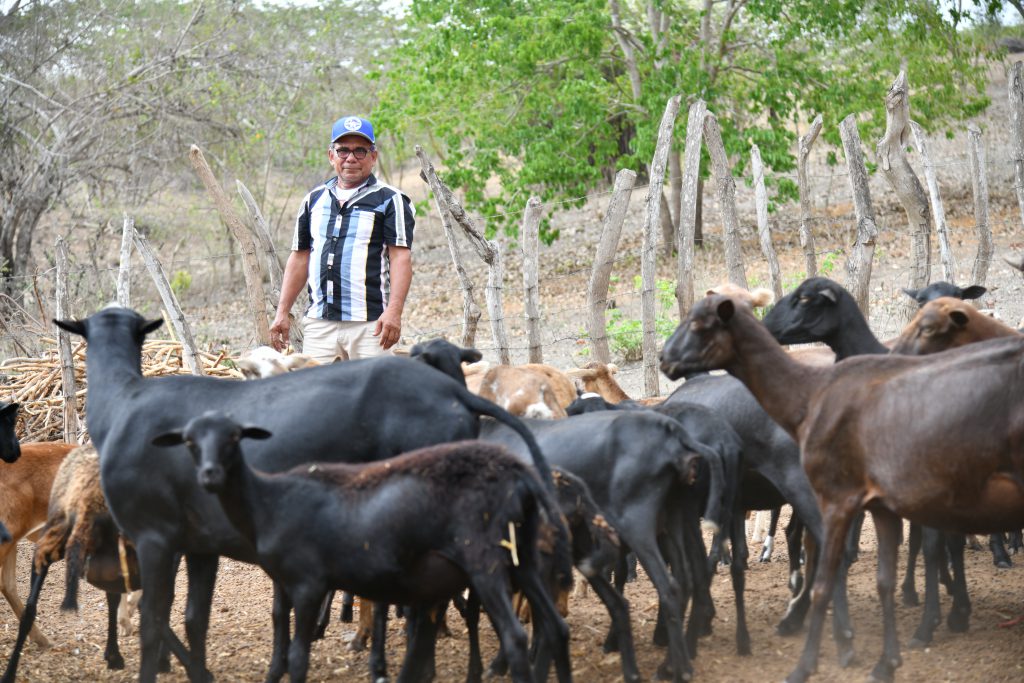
{"points": [[353, 123]]}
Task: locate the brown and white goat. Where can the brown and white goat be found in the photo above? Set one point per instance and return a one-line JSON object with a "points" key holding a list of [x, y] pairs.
{"points": [[24, 495], [532, 390]]}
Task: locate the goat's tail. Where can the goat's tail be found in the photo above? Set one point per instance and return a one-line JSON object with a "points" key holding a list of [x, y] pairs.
{"points": [[482, 406], [718, 510], [544, 528], [73, 569]]}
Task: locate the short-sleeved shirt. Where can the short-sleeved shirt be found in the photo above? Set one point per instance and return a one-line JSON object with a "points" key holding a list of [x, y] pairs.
{"points": [[349, 274]]}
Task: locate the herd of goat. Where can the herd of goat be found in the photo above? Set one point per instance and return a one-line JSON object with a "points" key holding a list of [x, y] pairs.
{"points": [[379, 478]]}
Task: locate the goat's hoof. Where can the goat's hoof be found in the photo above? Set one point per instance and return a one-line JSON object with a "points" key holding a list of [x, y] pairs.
{"points": [[164, 666], [910, 599], [1003, 564], [357, 645], [789, 626], [845, 655], [959, 622], [115, 663], [916, 643], [743, 646], [666, 673]]}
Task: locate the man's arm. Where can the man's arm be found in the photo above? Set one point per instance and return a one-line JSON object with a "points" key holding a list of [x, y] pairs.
{"points": [[389, 324], [294, 279]]}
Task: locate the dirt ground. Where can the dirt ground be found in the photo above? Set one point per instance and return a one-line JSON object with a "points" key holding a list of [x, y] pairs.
{"points": [[240, 632]]}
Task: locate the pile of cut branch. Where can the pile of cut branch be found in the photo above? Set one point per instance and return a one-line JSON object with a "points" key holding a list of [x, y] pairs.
{"points": [[36, 384]]}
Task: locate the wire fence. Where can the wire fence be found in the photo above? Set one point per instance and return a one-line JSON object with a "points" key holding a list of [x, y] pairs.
{"points": [[205, 282]]}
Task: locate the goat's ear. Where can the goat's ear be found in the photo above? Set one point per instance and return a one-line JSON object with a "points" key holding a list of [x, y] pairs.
{"points": [[829, 294], [255, 433], [973, 292], [10, 410], [470, 356], [72, 326], [175, 438], [150, 325], [912, 293], [959, 318], [726, 309]]}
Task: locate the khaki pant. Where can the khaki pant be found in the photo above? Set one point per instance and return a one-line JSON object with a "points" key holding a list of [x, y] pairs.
{"points": [[325, 340]]}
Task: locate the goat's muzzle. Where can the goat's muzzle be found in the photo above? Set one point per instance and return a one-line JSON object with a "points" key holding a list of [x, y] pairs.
{"points": [[211, 478]]}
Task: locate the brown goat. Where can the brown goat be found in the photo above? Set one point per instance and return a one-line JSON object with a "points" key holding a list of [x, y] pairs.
{"points": [[947, 323], [24, 496], [869, 439], [532, 390]]}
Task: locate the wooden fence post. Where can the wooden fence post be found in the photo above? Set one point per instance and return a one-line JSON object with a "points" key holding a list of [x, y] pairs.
{"points": [[938, 213], [649, 245], [804, 187], [1015, 90], [529, 238], [979, 183], [600, 274], [485, 249], [251, 269], [859, 264], [180, 324], [892, 161], [726, 199], [763, 229], [124, 271], [688, 206], [72, 428]]}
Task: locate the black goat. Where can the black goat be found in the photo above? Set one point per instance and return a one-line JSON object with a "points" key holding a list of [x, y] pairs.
{"points": [[937, 289], [445, 356], [636, 465], [5, 535], [413, 529], [10, 450], [357, 411]]}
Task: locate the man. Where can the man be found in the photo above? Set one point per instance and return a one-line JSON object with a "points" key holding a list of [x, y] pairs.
{"points": [[352, 250]]}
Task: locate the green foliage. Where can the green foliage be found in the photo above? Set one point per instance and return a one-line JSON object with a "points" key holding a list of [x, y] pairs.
{"points": [[538, 95], [181, 282], [625, 335], [825, 269]]}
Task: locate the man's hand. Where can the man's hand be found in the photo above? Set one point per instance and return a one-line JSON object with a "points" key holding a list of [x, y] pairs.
{"points": [[279, 332], [389, 329]]}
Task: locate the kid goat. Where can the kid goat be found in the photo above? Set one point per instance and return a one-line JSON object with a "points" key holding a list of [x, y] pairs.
{"points": [[866, 442], [413, 529]]}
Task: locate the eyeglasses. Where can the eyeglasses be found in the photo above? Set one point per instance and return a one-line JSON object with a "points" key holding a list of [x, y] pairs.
{"points": [[359, 152]]}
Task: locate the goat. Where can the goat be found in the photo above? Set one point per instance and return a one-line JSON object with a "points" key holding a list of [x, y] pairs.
{"points": [[597, 378], [9, 447], [822, 310], [438, 515], [24, 495], [264, 361], [937, 289], [958, 469], [531, 390], [445, 356], [5, 535], [635, 464], [368, 414], [79, 529], [945, 323]]}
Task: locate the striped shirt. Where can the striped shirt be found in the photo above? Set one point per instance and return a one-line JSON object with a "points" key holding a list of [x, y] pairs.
{"points": [[349, 274]]}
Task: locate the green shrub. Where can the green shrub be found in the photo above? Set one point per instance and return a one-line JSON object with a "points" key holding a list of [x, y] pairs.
{"points": [[625, 335]]}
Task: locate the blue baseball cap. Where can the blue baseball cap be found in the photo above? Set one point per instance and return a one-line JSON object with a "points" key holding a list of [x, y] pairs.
{"points": [[352, 125]]}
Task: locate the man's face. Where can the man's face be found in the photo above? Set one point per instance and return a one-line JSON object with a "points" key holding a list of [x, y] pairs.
{"points": [[352, 172]]}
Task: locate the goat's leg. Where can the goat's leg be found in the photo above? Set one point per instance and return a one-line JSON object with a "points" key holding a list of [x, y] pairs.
{"points": [[842, 628], [378, 653], [306, 601], [9, 588], [157, 565], [931, 540], [638, 528], [202, 574], [112, 654], [909, 589], [959, 618], [768, 542], [799, 587], [837, 514], [281, 619], [470, 612], [28, 616], [738, 572], [621, 630], [323, 617], [1000, 558], [690, 567], [887, 528], [367, 610], [1016, 541], [493, 596], [618, 581], [550, 632]]}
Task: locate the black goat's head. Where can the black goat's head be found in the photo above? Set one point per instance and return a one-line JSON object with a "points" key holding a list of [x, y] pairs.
{"points": [[213, 440], [9, 448]]}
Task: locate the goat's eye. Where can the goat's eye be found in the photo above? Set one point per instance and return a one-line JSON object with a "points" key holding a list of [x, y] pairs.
{"points": [[805, 300], [927, 331]]}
